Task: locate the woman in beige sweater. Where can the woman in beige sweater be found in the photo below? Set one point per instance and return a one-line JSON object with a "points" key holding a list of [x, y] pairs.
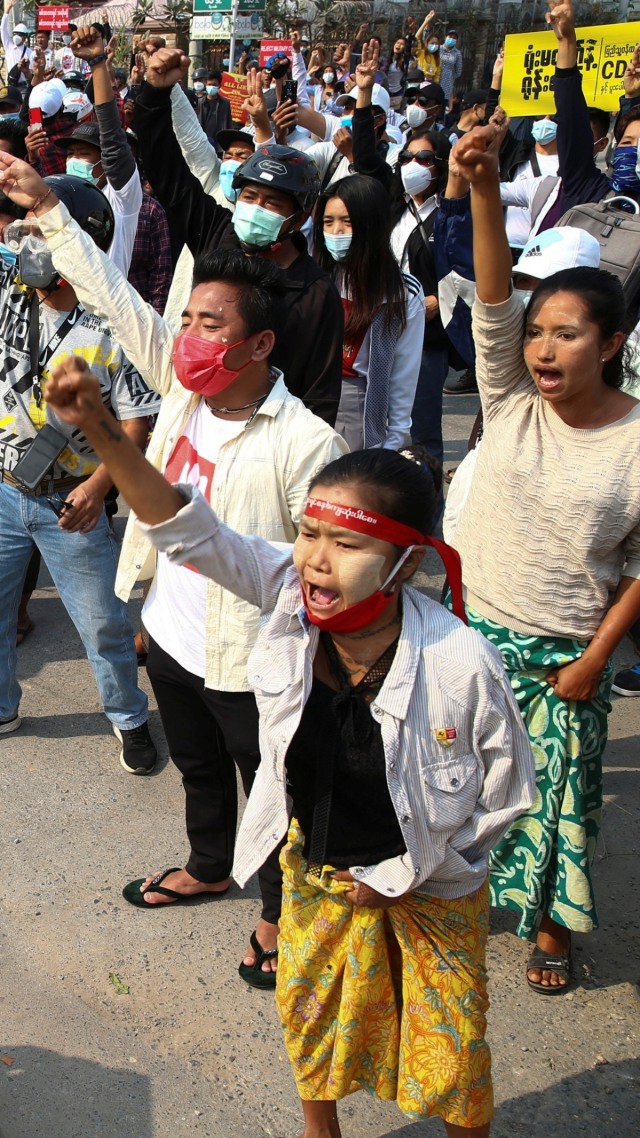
{"points": [[550, 547]]}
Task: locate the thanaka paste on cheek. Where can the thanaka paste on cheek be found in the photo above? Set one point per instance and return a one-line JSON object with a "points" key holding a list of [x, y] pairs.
{"points": [[354, 574]]}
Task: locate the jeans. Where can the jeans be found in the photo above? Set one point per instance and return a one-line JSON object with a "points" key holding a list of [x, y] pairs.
{"points": [[209, 733], [83, 570], [426, 416]]}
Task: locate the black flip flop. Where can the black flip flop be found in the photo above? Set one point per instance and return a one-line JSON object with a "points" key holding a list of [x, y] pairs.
{"points": [[561, 965], [252, 973], [132, 894]]}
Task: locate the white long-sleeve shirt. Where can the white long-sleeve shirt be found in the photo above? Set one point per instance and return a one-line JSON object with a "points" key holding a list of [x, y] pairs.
{"points": [[458, 762], [12, 54], [262, 474]]}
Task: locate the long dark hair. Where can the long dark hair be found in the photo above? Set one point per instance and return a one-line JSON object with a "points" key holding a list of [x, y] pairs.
{"points": [[603, 297], [395, 486], [371, 273]]}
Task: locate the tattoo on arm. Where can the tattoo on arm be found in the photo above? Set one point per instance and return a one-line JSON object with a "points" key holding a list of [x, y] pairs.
{"points": [[109, 431]]}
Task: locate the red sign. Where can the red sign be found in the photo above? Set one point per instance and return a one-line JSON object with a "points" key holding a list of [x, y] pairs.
{"points": [[274, 47], [53, 19], [234, 88]]}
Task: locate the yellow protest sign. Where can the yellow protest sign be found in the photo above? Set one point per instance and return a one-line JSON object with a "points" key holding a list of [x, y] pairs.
{"points": [[530, 62]]}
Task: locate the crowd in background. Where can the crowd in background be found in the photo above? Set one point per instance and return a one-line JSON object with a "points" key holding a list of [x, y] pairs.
{"points": [[272, 308]]}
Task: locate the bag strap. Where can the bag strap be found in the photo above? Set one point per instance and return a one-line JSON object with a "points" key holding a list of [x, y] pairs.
{"points": [[331, 169], [535, 165], [39, 358]]}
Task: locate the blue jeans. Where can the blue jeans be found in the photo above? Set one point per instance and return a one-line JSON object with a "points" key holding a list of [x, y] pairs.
{"points": [[426, 416], [83, 569]]}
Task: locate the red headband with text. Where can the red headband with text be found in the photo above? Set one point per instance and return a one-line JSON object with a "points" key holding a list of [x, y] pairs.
{"points": [[396, 533]]}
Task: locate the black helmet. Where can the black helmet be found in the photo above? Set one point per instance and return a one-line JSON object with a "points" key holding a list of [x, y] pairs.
{"points": [[200, 73], [87, 205], [290, 171], [74, 79]]}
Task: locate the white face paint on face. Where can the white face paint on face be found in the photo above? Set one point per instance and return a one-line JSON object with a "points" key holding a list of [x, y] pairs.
{"points": [[338, 567]]}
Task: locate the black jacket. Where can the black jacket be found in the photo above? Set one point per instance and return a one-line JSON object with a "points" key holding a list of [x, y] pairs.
{"points": [[309, 352], [213, 114], [370, 158]]}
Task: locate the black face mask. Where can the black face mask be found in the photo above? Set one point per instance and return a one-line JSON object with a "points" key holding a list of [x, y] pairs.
{"points": [[35, 264]]}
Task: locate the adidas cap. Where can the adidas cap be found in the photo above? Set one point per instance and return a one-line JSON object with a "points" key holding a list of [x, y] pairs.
{"points": [[564, 248]]}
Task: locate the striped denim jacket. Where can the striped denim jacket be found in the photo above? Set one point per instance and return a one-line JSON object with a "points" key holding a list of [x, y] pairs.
{"points": [[459, 764]]}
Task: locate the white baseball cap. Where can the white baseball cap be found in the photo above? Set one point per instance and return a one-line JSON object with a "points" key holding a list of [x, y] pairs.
{"points": [[564, 248], [379, 97], [76, 103], [48, 96]]}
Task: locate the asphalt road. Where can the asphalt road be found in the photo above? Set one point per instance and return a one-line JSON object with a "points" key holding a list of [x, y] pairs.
{"points": [[188, 1048]]}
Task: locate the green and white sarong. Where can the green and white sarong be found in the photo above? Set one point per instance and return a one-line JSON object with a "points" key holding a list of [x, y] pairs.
{"points": [[542, 865]]}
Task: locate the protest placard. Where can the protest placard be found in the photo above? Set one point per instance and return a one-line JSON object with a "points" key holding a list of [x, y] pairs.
{"points": [[53, 19], [274, 47], [234, 88], [530, 62]]}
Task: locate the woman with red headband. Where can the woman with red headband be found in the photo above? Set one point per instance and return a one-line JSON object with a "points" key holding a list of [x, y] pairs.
{"points": [[393, 728]]}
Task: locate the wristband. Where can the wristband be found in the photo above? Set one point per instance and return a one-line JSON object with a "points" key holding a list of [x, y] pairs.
{"points": [[96, 60]]}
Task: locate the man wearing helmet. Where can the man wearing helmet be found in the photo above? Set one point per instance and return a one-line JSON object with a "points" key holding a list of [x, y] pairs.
{"points": [[277, 188], [62, 513], [16, 46]]}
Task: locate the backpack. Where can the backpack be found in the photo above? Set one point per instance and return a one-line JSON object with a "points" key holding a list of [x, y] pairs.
{"points": [[618, 234]]}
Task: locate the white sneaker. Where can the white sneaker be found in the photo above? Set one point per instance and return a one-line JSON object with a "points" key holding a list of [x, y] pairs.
{"points": [[7, 725]]}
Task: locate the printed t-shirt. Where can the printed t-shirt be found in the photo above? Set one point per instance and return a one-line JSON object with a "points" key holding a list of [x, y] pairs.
{"points": [[175, 610], [82, 334]]}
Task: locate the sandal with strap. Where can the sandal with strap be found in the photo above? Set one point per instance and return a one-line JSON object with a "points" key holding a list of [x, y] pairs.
{"points": [[132, 894], [550, 962], [252, 973]]}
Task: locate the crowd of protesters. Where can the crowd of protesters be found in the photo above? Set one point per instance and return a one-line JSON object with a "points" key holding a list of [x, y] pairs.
{"points": [[271, 310]]}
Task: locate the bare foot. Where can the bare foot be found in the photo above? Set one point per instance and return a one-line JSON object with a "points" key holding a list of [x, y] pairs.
{"points": [[267, 937], [180, 882], [554, 940]]}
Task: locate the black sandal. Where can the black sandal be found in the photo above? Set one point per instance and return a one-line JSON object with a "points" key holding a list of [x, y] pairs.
{"points": [[252, 973], [550, 962]]}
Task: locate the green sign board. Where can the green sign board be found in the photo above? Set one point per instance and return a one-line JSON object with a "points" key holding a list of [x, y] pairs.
{"points": [[201, 6]]}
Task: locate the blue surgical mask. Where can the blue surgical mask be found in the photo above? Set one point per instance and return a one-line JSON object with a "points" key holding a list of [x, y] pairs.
{"points": [[211, 90], [8, 256], [225, 62], [80, 169], [525, 294], [346, 120], [338, 244], [225, 177], [257, 226], [12, 117], [433, 47], [626, 175], [544, 131], [450, 42]]}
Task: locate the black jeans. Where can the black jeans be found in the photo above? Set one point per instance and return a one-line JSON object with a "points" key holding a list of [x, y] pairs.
{"points": [[208, 732]]}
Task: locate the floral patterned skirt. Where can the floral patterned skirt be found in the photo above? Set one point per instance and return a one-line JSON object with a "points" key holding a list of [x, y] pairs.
{"points": [[391, 1001], [542, 865]]}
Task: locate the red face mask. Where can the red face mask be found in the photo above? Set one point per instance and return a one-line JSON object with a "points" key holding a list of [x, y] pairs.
{"points": [[364, 612], [199, 364]]}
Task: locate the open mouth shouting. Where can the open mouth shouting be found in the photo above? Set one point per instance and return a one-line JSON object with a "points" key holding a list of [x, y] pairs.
{"points": [[547, 379], [321, 600]]}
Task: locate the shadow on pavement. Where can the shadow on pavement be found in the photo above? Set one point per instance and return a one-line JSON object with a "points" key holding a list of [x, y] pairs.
{"points": [[45, 1093]]}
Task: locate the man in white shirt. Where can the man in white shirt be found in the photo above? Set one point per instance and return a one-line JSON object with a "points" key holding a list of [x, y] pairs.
{"points": [[15, 43], [228, 425]]}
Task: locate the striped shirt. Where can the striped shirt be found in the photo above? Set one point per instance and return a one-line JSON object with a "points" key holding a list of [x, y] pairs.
{"points": [[458, 761]]}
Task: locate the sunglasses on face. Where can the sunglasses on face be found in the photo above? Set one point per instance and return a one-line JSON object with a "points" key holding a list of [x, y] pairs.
{"points": [[426, 103], [422, 157]]}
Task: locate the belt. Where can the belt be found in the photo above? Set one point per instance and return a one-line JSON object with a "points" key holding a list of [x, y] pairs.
{"points": [[46, 486]]}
